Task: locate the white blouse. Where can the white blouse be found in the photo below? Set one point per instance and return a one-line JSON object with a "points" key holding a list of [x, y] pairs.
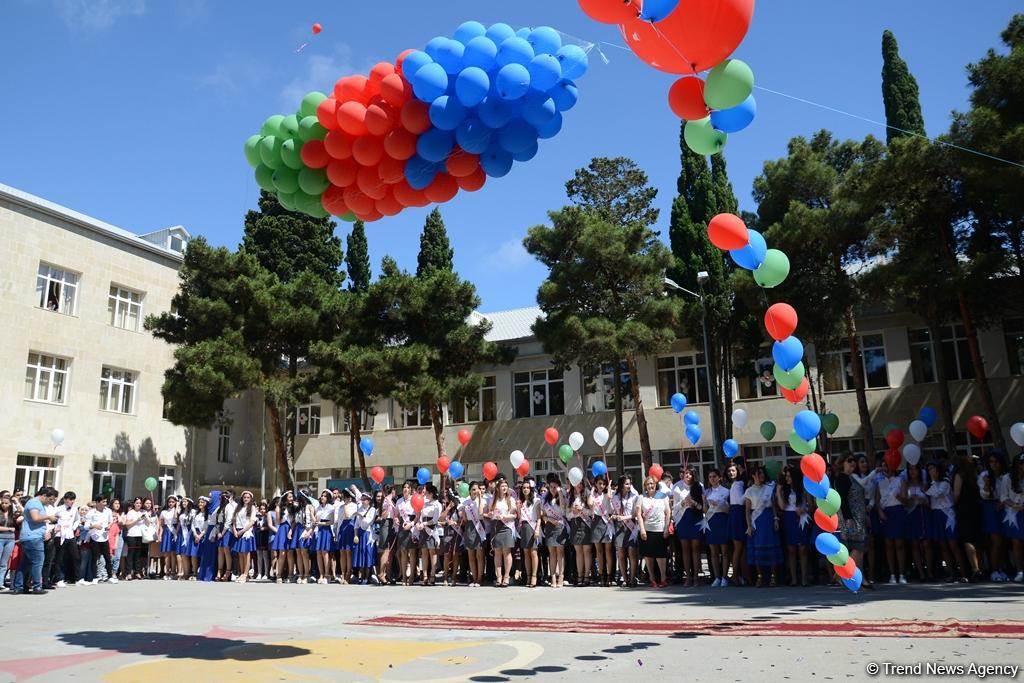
{"points": [[888, 490], [653, 511], [736, 491], [718, 499]]}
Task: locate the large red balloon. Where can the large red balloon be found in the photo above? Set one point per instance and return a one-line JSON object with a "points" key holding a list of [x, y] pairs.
{"points": [[395, 90], [368, 150], [314, 154], [524, 468], [333, 201], [464, 436], [358, 201], [377, 474], [405, 195], [977, 426], [551, 436], [655, 471], [352, 118], [342, 172], [473, 182], [610, 11], [416, 117], [443, 463], [416, 502], [378, 73], [327, 113], [391, 170], [380, 117], [847, 570], [388, 205], [813, 467], [780, 320], [369, 183], [825, 522], [490, 471], [461, 164], [727, 231], [796, 396], [339, 144], [686, 99], [894, 438], [400, 144], [442, 189], [893, 459], [370, 216], [351, 88]]}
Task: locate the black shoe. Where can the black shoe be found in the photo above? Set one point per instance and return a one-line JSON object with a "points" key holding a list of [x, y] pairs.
{"points": [[36, 591]]}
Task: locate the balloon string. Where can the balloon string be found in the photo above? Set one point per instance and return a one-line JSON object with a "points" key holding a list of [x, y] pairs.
{"points": [[693, 70]]}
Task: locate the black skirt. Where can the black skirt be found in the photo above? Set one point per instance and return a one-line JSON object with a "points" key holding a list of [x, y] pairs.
{"points": [[503, 538], [579, 531], [599, 531], [555, 535], [527, 537], [655, 546]]}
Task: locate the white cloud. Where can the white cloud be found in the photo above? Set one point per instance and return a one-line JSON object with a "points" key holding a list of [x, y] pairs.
{"points": [[510, 255], [97, 15], [321, 72]]}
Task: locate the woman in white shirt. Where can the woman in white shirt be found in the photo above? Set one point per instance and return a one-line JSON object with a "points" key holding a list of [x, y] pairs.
{"points": [[324, 543], [204, 559], [603, 529], [430, 534], [736, 477], [364, 557], [626, 530], [346, 538], [918, 522], [943, 527], [529, 531], [890, 496], [991, 515], [716, 520], [556, 531], [580, 519], [503, 511], [1011, 495], [474, 532], [168, 537], [791, 499], [652, 516], [687, 512], [762, 526], [134, 523], [241, 525]]}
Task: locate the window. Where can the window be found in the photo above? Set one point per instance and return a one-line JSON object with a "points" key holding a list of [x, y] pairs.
{"points": [[480, 408], [46, 378], [956, 355], [176, 243], [109, 478], [539, 392], [33, 471], [687, 375], [343, 423], [307, 419], [837, 366], [306, 479], [856, 446], [117, 390], [56, 289], [125, 308], [760, 382], [1013, 332], [605, 399], [224, 442], [703, 459], [166, 485], [760, 455], [416, 416]]}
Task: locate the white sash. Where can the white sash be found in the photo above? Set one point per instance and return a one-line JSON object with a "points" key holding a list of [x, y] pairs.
{"points": [[629, 523], [764, 502], [475, 517], [609, 526]]}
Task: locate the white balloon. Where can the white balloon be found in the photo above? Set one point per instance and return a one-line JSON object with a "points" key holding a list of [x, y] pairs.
{"points": [[516, 458], [1017, 433], [601, 436], [576, 441], [911, 453], [575, 476], [918, 430], [739, 418], [57, 437]]}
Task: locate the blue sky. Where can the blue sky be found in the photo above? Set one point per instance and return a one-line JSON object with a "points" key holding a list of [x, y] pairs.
{"points": [[135, 111]]}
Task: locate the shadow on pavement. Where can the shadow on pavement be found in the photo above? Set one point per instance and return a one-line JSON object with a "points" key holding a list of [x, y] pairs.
{"points": [[180, 645]]}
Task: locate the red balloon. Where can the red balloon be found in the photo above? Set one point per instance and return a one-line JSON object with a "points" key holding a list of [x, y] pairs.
{"points": [[416, 117], [826, 523], [314, 154], [895, 438], [655, 471], [727, 231], [796, 395], [317, 28], [327, 113], [395, 90], [380, 117], [473, 182], [352, 118], [351, 88], [443, 463], [524, 468], [377, 474], [893, 459], [400, 144], [333, 201], [391, 170], [780, 320], [370, 216], [977, 426], [461, 164], [342, 172], [388, 205], [378, 73], [405, 195], [338, 144], [368, 150], [401, 58], [416, 501], [610, 11], [847, 570], [442, 189], [464, 436], [686, 98], [551, 436], [490, 471], [813, 467], [358, 201], [369, 183]]}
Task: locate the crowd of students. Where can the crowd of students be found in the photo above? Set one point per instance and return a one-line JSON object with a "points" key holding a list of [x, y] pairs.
{"points": [[961, 521]]}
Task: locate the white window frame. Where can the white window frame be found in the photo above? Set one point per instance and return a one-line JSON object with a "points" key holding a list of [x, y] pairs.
{"points": [[487, 390], [342, 426], [307, 479], [110, 472], [603, 396], [672, 461], [764, 362], [49, 277], [126, 383], [40, 368], [224, 442], [960, 358], [861, 347], [124, 307], [182, 243], [166, 481], [413, 418], [533, 383], [40, 466], [307, 419], [695, 361]]}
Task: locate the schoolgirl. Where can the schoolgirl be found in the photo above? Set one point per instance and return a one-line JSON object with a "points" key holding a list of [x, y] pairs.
{"points": [[225, 513], [324, 543], [150, 537], [186, 542], [529, 531], [738, 522], [687, 507], [263, 565], [580, 519], [716, 528], [917, 524], [991, 515], [967, 505], [346, 542], [408, 542], [791, 499], [451, 537], [364, 555], [282, 541], [430, 534], [241, 525], [626, 530], [556, 532], [167, 534], [1011, 495], [387, 515], [602, 530], [762, 526], [891, 495], [503, 513], [943, 516], [302, 534], [651, 517], [473, 513], [202, 547]]}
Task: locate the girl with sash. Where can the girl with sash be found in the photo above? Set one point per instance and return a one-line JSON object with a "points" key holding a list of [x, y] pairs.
{"points": [[716, 527], [602, 529], [474, 532], [762, 526], [262, 542], [225, 513], [991, 517], [917, 524], [204, 561], [738, 522], [791, 499], [580, 521], [868, 479], [940, 493], [529, 531], [302, 535], [346, 539], [281, 543], [324, 542], [503, 511], [451, 538], [626, 531], [408, 542], [556, 531], [168, 532], [430, 533], [891, 495], [387, 519], [687, 507], [242, 521], [1011, 495], [186, 542], [364, 557], [652, 515]]}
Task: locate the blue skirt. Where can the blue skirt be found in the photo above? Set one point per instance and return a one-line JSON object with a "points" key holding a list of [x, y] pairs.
{"points": [[718, 529], [244, 544], [298, 542], [737, 523], [793, 534], [917, 524], [687, 529], [1015, 533], [186, 543], [990, 518], [763, 549], [941, 528], [896, 520], [280, 540], [227, 540], [169, 542], [365, 554], [324, 539], [874, 522], [207, 553], [347, 535]]}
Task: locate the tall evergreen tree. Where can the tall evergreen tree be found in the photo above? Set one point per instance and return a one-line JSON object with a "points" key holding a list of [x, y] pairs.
{"points": [[435, 251], [899, 93], [357, 259]]}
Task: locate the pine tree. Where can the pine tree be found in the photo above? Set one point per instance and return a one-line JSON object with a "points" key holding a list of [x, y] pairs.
{"points": [[357, 259], [435, 250], [899, 93]]}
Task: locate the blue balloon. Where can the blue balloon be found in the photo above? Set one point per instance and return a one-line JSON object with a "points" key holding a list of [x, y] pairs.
{"points": [[545, 72], [693, 434], [434, 145], [455, 470], [599, 469], [446, 113], [854, 582], [539, 111], [735, 119], [434, 46], [807, 425], [517, 136], [928, 416], [827, 544], [515, 50], [574, 61], [751, 256], [551, 128], [730, 448], [366, 446], [818, 489], [495, 112], [471, 86], [565, 94], [419, 172], [656, 10], [481, 53], [473, 136], [788, 353], [449, 55], [499, 33], [413, 62], [678, 402], [523, 33], [469, 30], [423, 476], [528, 153], [496, 162], [691, 418], [513, 81], [429, 82], [545, 40]]}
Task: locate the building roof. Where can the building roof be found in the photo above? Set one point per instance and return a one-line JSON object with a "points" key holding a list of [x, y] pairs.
{"points": [[510, 325], [88, 222]]}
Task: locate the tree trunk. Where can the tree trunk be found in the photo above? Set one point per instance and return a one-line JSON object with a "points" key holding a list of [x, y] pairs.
{"points": [[858, 383], [352, 431], [980, 377], [617, 383], [945, 402], [638, 407], [284, 479], [725, 386], [355, 429]]}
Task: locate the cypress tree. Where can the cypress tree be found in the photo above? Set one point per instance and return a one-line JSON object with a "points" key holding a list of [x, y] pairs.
{"points": [[357, 260], [899, 92], [435, 250]]}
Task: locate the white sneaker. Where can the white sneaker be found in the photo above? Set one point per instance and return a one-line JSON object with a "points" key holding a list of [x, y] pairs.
{"points": [[903, 580], [95, 582], [374, 580], [892, 579], [83, 582], [1019, 578], [112, 579], [1001, 576], [60, 584]]}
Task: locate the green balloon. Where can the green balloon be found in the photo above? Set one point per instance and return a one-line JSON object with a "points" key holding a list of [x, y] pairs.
{"points": [[888, 428], [286, 180], [773, 271], [150, 483], [309, 204], [565, 453], [265, 178], [830, 504], [830, 422], [272, 126], [702, 138], [768, 430], [840, 558], [107, 489], [252, 150], [290, 127], [287, 200], [799, 445], [314, 181], [728, 84], [792, 379], [270, 151], [291, 154], [348, 217], [310, 129], [463, 489], [310, 102], [773, 468]]}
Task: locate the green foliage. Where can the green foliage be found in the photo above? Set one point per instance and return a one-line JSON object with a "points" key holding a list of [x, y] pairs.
{"points": [[614, 189], [899, 93], [357, 259], [435, 251]]}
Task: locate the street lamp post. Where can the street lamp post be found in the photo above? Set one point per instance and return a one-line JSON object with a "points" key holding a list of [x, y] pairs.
{"points": [[702, 277]]}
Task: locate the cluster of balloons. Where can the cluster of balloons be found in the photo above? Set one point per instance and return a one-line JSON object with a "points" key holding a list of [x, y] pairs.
{"points": [[415, 132], [688, 37], [816, 482], [900, 451], [691, 419], [519, 463]]}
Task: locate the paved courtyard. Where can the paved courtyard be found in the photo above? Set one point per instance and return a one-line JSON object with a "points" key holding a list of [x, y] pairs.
{"points": [[182, 631]]}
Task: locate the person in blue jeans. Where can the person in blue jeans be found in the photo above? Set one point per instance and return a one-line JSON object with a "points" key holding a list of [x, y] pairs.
{"points": [[33, 534], [7, 526]]}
